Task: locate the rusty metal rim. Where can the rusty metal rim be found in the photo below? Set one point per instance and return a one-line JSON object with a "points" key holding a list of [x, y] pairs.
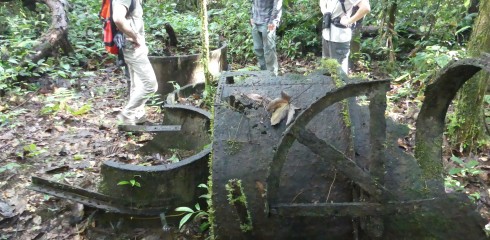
{"points": [[167, 167], [431, 119], [158, 168], [288, 138]]}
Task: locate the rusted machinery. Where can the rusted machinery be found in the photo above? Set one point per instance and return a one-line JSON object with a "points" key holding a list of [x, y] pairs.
{"points": [[336, 172], [163, 187]]}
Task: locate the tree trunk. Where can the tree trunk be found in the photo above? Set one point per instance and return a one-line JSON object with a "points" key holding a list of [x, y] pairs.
{"points": [[469, 103], [205, 45], [57, 34]]}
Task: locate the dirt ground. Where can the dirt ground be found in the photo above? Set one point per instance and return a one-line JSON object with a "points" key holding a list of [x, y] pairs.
{"points": [[66, 147]]}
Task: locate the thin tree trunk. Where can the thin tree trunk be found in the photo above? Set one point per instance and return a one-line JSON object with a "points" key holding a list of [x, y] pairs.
{"points": [[205, 42], [57, 34], [469, 103]]}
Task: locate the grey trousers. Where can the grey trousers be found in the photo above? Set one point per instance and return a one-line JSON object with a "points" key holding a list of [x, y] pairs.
{"points": [[339, 51], [143, 81], [265, 47]]}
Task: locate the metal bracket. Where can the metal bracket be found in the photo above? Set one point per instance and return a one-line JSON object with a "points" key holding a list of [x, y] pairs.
{"points": [[148, 128], [89, 198]]}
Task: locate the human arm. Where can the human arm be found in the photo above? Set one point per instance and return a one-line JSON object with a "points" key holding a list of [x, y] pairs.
{"points": [[276, 15], [323, 6], [364, 9], [119, 12]]}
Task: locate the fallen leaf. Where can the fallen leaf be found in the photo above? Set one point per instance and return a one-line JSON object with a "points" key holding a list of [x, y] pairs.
{"points": [[261, 188], [291, 112], [285, 96], [280, 113], [278, 102]]}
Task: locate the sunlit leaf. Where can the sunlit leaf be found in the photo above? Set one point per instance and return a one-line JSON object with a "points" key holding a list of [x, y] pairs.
{"points": [[123, 183], [280, 113], [184, 219], [291, 112], [454, 171], [184, 209], [82, 110], [278, 102]]}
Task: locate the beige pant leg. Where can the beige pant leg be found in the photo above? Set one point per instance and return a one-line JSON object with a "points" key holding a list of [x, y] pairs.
{"points": [[143, 81]]}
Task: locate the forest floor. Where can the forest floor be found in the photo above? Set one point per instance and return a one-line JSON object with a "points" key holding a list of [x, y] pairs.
{"points": [[63, 142]]}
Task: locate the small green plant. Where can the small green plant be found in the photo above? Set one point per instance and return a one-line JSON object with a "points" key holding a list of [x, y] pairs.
{"points": [[475, 196], [7, 118], [131, 182], [175, 85], [154, 99], [85, 108], [174, 158], [57, 101], [9, 167], [469, 168], [198, 213], [31, 150], [458, 176]]}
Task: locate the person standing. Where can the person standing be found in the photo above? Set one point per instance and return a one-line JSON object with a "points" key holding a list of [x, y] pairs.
{"points": [[265, 18], [142, 76], [337, 36]]}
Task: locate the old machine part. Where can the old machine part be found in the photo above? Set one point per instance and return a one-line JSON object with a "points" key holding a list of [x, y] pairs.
{"points": [[163, 187], [336, 171]]}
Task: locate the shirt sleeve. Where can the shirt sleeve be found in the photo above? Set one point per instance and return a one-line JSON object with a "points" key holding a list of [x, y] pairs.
{"points": [[323, 6], [125, 3], [276, 12]]}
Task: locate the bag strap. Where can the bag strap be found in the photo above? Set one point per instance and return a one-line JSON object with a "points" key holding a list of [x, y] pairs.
{"points": [[343, 6]]}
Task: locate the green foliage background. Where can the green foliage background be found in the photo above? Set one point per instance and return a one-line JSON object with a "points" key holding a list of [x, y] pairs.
{"points": [[440, 27]]}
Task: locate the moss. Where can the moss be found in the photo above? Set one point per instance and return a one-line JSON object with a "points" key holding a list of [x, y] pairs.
{"points": [[211, 210], [345, 114], [233, 147], [430, 168], [237, 198]]}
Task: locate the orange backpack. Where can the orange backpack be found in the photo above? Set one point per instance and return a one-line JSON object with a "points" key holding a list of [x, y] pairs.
{"points": [[109, 27]]}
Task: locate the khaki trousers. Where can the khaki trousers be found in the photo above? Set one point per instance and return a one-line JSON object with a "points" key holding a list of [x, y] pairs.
{"points": [[143, 80]]}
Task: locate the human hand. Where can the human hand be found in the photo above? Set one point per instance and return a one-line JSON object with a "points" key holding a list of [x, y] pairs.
{"points": [[251, 22], [271, 27], [345, 21], [137, 41]]}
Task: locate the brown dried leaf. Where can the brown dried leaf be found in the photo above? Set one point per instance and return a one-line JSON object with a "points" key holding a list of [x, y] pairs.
{"points": [[275, 104], [261, 188], [278, 102], [291, 112], [280, 113], [285, 96]]}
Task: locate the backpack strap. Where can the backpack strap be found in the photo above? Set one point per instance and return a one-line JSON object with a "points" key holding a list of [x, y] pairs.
{"points": [[343, 5]]}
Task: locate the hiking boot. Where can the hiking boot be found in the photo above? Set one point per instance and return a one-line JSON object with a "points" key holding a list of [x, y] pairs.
{"points": [[123, 120], [141, 120]]}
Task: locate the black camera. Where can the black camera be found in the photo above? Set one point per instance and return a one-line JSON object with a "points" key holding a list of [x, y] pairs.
{"points": [[327, 20]]}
